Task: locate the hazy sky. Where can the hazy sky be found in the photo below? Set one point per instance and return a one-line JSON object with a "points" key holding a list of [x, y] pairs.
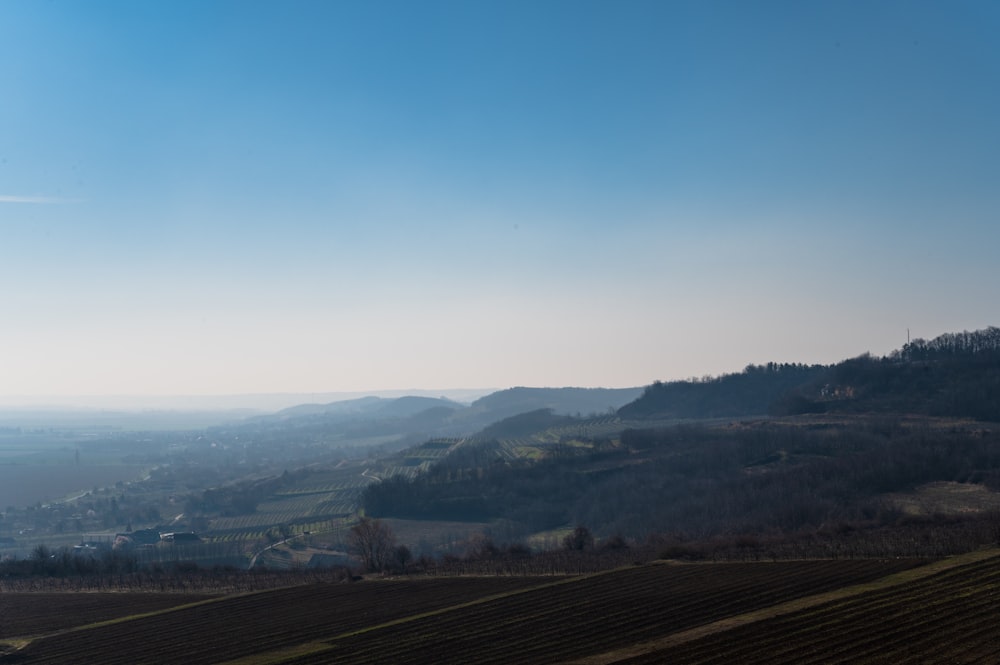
{"points": [[243, 197]]}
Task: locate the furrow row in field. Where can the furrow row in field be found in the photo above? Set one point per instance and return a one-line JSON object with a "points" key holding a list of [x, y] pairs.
{"points": [[903, 631], [23, 614], [594, 613], [244, 625], [258, 520], [435, 620], [928, 616]]}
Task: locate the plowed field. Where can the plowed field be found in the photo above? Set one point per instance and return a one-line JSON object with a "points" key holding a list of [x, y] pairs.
{"points": [[453, 620], [949, 617], [23, 614]]}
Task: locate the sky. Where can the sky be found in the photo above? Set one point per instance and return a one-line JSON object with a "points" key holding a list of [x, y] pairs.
{"points": [[217, 198]]}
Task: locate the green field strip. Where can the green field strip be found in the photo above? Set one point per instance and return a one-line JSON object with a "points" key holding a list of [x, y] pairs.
{"points": [[786, 608], [12, 645]]}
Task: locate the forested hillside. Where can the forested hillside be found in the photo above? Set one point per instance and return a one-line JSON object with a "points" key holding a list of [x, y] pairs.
{"points": [[837, 442], [757, 390], [956, 375], [702, 481]]}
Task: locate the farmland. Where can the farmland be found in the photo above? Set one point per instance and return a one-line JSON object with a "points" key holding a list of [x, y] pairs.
{"points": [[28, 484], [456, 619], [946, 617], [30, 613]]}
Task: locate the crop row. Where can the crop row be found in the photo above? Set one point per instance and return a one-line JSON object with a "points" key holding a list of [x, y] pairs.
{"points": [[947, 617], [598, 612], [264, 520], [305, 505], [244, 625], [548, 619], [352, 483], [239, 536], [23, 614]]}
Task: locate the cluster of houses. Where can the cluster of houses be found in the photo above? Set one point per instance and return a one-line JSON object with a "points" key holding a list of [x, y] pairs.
{"points": [[140, 538]]}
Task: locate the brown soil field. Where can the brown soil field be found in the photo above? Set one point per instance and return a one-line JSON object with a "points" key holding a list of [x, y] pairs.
{"points": [[244, 625], [598, 612], [33, 613], [948, 617], [453, 620]]}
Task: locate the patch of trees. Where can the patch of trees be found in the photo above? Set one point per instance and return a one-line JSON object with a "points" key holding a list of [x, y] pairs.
{"points": [[977, 346], [944, 377], [476, 484], [65, 562], [700, 482], [777, 478], [60, 573]]}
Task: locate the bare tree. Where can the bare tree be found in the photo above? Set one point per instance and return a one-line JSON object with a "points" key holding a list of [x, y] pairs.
{"points": [[374, 542], [580, 539]]}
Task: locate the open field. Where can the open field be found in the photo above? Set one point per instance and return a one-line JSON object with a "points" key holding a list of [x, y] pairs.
{"points": [[947, 498], [456, 619], [249, 624], [948, 617], [31, 613], [27, 484]]}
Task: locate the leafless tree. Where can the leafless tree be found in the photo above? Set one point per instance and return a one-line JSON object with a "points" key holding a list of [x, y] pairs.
{"points": [[374, 543]]}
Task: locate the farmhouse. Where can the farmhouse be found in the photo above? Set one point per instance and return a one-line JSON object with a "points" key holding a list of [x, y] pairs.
{"points": [[180, 537], [143, 536]]}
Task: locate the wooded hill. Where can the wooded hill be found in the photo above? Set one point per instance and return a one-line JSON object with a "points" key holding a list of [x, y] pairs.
{"points": [[841, 439], [954, 375]]}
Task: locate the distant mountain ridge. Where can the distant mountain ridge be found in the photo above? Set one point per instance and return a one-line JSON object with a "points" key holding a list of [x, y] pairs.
{"points": [[398, 407], [956, 374], [445, 417], [562, 401]]}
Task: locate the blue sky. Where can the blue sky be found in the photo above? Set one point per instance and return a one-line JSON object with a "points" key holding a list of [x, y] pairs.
{"points": [[248, 197]]}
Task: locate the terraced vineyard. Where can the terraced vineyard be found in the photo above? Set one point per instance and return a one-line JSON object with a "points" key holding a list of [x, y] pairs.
{"points": [[420, 458], [311, 506], [454, 620]]}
